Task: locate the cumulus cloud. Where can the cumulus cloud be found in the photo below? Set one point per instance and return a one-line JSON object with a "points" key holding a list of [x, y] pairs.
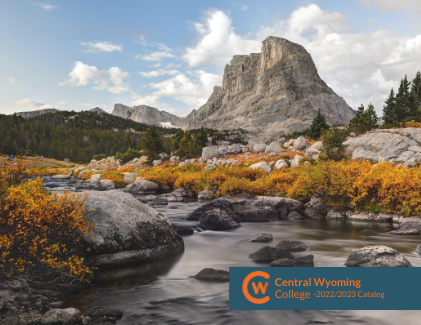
{"points": [[112, 80], [244, 7], [95, 47], [387, 5], [44, 6], [218, 41], [157, 56], [192, 88], [12, 80], [158, 73], [30, 103]]}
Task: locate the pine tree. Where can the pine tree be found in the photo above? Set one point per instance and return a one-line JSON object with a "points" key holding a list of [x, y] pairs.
{"points": [[184, 148], [332, 145], [319, 123], [178, 136], [152, 143], [365, 119], [402, 100], [390, 115], [202, 137], [415, 98]]}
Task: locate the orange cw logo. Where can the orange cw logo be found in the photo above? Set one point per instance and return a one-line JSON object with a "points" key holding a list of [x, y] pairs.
{"points": [[259, 287]]}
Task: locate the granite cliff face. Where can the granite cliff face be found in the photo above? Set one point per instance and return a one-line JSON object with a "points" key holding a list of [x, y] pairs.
{"points": [[148, 115], [38, 112], [271, 93]]}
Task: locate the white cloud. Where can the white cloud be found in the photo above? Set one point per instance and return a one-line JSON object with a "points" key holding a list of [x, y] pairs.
{"points": [[111, 80], [218, 42], [12, 80], [155, 56], [244, 7], [95, 47], [44, 6], [30, 103], [387, 5], [158, 73]]}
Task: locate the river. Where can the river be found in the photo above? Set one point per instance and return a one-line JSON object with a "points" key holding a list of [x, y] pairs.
{"points": [[164, 291]]}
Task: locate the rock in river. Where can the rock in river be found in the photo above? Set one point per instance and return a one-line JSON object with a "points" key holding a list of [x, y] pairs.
{"points": [[292, 245], [210, 274], [260, 214], [127, 231], [304, 261], [262, 238], [268, 254], [218, 219], [376, 256], [97, 312], [68, 316], [282, 204], [217, 204]]}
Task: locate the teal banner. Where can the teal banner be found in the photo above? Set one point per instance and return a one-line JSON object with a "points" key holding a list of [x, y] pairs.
{"points": [[324, 288]]}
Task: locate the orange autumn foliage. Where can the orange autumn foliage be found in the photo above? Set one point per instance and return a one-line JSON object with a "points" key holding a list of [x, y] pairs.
{"points": [[40, 233]]}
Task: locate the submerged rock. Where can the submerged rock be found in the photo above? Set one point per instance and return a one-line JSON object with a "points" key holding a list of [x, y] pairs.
{"points": [[268, 254], [210, 274], [68, 316], [97, 312], [262, 238], [127, 231], [292, 245], [376, 256], [304, 261], [294, 215]]}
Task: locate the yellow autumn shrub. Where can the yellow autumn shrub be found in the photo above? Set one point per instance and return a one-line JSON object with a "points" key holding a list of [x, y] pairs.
{"points": [[40, 233]]}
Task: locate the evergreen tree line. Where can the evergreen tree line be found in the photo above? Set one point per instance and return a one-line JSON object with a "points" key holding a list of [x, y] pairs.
{"points": [[404, 105], [77, 136]]}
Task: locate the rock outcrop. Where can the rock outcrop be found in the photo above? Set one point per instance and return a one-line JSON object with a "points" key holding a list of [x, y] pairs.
{"points": [[277, 91], [37, 113], [148, 115], [401, 146], [376, 256], [127, 231]]}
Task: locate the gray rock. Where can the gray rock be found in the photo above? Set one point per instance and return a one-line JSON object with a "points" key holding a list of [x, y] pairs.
{"points": [[66, 160], [263, 165], [141, 187], [274, 147], [218, 219], [261, 147], [210, 152], [262, 238], [313, 213], [210, 274], [37, 112], [304, 261], [282, 204], [10, 157], [282, 140], [418, 249], [283, 262], [223, 150], [159, 201], [183, 193], [364, 217], [260, 214], [335, 215], [240, 198], [384, 217], [268, 254], [156, 163], [415, 148], [409, 226], [300, 143], [127, 231], [296, 161], [61, 177], [235, 148], [281, 164], [294, 215], [130, 177], [376, 256], [68, 316], [173, 159], [91, 185], [292, 245], [205, 195], [150, 197], [316, 147], [107, 184], [96, 177]]}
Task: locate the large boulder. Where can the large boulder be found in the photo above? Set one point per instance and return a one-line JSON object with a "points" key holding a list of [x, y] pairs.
{"points": [[68, 316], [262, 165], [210, 274], [218, 219], [274, 147], [209, 152], [127, 231], [223, 150], [376, 256], [130, 177], [260, 214], [408, 226], [239, 198], [281, 164], [261, 147], [205, 195], [269, 254], [313, 213], [263, 238], [300, 143], [296, 161], [156, 163], [141, 187], [315, 147], [282, 204], [217, 204], [382, 145]]}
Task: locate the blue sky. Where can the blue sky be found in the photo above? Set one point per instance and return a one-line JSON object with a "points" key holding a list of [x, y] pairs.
{"points": [[77, 55]]}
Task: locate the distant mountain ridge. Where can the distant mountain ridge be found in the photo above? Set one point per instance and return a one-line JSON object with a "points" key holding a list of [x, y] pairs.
{"points": [[275, 92], [53, 110]]}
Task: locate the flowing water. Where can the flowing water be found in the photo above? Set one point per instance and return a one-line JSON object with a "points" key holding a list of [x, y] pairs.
{"points": [[164, 291]]}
